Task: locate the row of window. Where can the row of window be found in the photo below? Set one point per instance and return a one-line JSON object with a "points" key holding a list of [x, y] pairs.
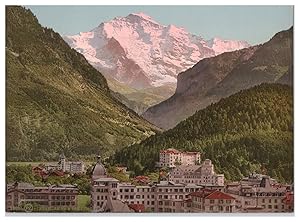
{"points": [[63, 197], [270, 200], [102, 190], [62, 203], [102, 197]]}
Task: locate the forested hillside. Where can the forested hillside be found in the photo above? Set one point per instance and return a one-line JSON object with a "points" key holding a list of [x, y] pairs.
{"points": [[56, 101], [249, 131]]}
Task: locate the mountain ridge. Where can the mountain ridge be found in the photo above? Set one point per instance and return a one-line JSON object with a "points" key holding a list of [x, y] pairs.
{"points": [[214, 78], [56, 101]]}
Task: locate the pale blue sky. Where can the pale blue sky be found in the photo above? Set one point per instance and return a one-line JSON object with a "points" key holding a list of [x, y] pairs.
{"points": [[255, 24]]}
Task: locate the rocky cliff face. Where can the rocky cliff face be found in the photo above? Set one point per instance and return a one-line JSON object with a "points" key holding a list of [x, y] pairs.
{"points": [[141, 54], [214, 78]]}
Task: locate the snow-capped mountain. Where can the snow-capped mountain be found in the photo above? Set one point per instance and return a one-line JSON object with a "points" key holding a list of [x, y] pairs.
{"points": [[141, 53]]}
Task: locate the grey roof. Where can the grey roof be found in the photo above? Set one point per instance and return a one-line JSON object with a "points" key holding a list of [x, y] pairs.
{"points": [[187, 168], [106, 179], [98, 170], [117, 206]]}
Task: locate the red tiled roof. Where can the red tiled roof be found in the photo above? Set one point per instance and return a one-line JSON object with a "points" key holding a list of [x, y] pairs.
{"points": [[137, 207], [174, 151], [289, 198], [220, 195]]}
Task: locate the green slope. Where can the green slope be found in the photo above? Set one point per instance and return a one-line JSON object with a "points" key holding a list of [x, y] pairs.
{"points": [[249, 131], [56, 101], [140, 100]]}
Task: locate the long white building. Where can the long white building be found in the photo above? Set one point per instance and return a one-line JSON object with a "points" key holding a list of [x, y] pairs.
{"points": [[203, 175], [172, 157]]}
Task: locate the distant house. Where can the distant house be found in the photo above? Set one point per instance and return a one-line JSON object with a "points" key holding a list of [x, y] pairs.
{"points": [[142, 180], [39, 171], [172, 157], [72, 167], [121, 169]]}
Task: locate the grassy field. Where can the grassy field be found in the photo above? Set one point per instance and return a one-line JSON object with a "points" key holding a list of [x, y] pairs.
{"points": [[83, 203], [37, 163]]}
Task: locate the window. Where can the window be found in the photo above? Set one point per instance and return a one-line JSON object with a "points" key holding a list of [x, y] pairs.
{"points": [[212, 201], [263, 200], [132, 190], [114, 185], [228, 201], [270, 206], [270, 200], [275, 200], [121, 190], [211, 208], [138, 196]]}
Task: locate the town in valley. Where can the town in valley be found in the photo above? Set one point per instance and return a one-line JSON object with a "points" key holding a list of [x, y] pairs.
{"points": [[185, 183]]}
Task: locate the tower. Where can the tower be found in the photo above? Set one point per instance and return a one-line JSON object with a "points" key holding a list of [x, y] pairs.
{"points": [[62, 162]]}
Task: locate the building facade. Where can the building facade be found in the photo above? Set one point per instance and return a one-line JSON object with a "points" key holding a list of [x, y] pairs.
{"points": [[262, 195], [164, 196], [203, 174], [20, 195], [172, 157], [72, 167], [212, 201]]}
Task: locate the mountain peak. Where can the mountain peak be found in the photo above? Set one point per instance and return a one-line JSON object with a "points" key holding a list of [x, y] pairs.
{"points": [[159, 51], [142, 16]]}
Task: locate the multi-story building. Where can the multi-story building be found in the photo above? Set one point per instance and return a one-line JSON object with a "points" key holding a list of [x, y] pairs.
{"points": [[189, 193], [158, 197], [203, 175], [104, 188], [20, 195], [71, 166], [267, 196], [172, 157], [67, 166], [212, 201]]}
